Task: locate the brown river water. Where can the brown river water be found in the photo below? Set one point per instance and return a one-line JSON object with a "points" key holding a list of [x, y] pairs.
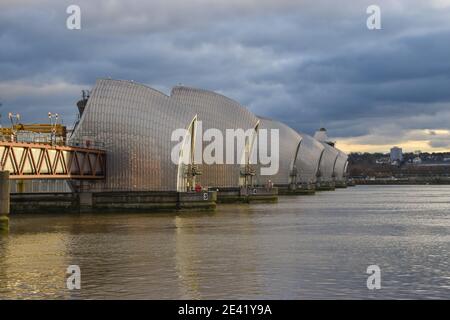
{"points": [[303, 247]]}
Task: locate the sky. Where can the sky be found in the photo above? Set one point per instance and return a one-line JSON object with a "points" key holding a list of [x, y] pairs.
{"points": [[307, 63]]}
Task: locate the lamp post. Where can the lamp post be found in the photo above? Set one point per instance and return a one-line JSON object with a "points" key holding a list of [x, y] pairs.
{"points": [[53, 117], [14, 118]]}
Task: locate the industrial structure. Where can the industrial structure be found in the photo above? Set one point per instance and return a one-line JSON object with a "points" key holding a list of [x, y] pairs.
{"points": [[289, 144], [123, 143], [135, 123], [308, 163], [215, 111], [26, 161]]}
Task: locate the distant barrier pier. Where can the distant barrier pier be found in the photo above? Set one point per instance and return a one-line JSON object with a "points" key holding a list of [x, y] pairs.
{"points": [[4, 200]]}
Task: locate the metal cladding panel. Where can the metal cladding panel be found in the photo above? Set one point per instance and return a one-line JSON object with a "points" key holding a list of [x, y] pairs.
{"points": [[341, 166], [327, 163], [135, 123], [289, 141], [39, 186], [216, 111], [308, 159]]}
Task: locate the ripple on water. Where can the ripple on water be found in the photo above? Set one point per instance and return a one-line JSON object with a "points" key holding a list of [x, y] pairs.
{"points": [[301, 247]]}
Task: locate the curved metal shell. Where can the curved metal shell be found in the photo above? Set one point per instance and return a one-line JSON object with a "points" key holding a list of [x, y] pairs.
{"points": [[341, 166], [327, 163], [216, 111], [135, 123], [289, 142], [308, 159]]}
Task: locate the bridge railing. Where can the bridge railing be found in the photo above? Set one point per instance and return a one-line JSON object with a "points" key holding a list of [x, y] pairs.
{"points": [[44, 139], [86, 143], [32, 137], [45, 161]]}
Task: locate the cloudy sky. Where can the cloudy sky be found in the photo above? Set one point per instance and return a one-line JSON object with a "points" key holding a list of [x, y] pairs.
{"points": [[307, 63]]}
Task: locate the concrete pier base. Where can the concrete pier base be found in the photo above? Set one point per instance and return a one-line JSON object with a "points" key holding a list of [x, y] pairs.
{"points": [[4, 200], [340, 185], [87, 202], [246, 194], [44, 203], [4, 224], [325, 186], [296, 192]]}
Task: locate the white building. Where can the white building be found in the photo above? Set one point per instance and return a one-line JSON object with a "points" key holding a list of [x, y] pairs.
{"points": [[396, 154]]}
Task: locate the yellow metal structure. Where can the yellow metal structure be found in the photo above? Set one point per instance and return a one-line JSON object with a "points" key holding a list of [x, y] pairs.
{"points": [[60, 130]]}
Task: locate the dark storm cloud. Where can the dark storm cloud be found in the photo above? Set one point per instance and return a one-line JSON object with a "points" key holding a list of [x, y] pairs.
{"points": [[309, 63]]}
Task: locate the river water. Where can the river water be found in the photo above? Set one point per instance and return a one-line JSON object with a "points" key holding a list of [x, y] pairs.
{"points": [[303, 247]]}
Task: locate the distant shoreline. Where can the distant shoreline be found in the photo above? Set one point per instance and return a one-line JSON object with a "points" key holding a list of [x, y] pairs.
{"points": [[403, 182]]}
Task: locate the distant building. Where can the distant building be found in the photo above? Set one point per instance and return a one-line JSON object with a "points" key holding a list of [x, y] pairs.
{"points": [[417, 160], [382, 160], [396, 155]]}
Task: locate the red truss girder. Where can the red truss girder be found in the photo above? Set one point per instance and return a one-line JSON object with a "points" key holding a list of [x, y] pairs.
{"points": [[40, 161]]}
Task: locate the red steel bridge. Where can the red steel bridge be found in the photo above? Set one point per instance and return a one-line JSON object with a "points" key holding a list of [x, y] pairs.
{"points": [[45, 161]]}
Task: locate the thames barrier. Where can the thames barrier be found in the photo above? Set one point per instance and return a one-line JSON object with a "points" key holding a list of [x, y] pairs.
{"points": [[119, 155]]}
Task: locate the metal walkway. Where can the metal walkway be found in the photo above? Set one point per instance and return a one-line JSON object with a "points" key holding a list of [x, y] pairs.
{"points": [[44, 161]]}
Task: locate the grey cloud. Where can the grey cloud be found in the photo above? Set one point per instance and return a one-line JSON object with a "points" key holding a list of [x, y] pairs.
{"points": [[440, 143], [308, 63]]}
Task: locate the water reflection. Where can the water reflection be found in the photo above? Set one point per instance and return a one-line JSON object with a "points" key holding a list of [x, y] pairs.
{"points": [[35, 270], [220, 246], [300, 247]]}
